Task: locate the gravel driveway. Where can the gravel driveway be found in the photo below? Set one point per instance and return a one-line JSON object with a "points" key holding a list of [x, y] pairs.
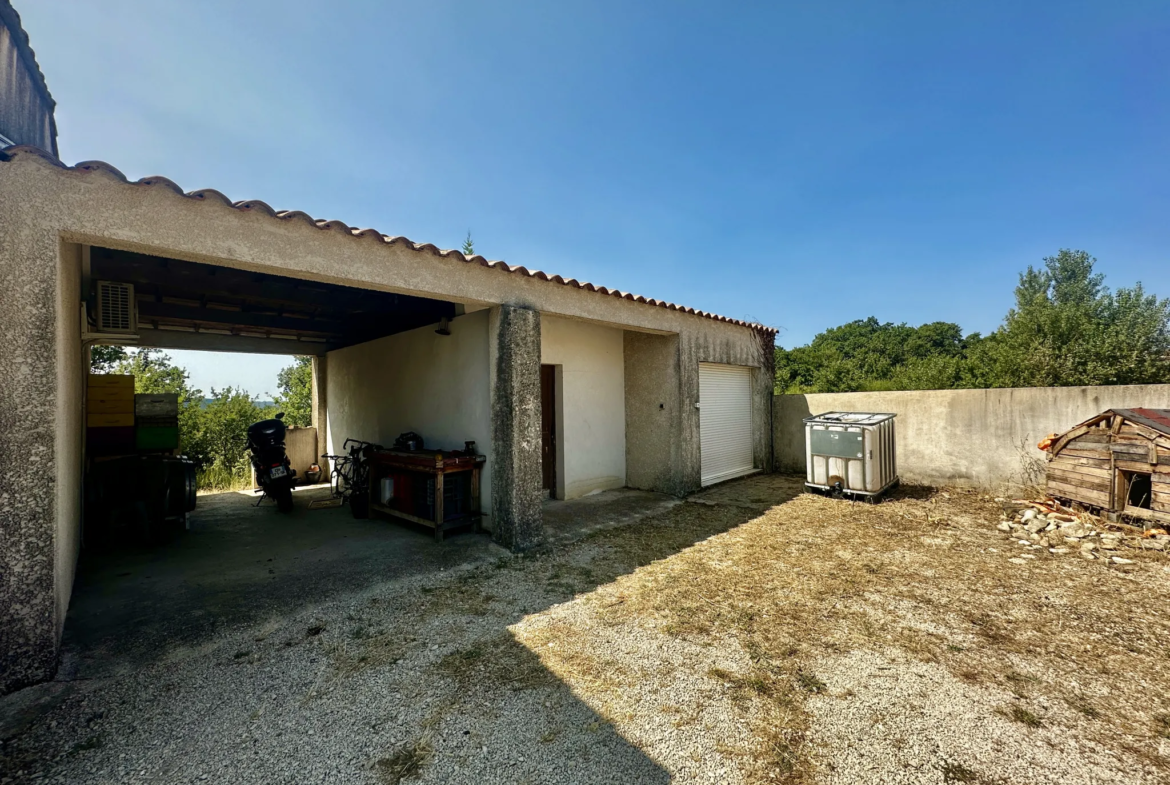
{"points": [[746, 635]]}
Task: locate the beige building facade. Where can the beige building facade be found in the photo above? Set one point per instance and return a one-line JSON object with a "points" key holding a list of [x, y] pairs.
{"points": [[455, 353]]}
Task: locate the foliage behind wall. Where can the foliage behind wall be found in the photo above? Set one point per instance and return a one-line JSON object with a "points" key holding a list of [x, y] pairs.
{"points": [[1066, 329], [212, 430]]}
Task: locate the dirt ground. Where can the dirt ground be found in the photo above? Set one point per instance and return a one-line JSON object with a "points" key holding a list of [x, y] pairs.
{"points": [[749, 634]]}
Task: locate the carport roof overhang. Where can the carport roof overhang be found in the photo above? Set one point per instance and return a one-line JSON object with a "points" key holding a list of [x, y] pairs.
{"points": [[192, 305], [95, 204]]}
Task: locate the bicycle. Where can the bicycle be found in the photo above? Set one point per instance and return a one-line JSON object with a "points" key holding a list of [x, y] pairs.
{"points": [[350, 478], [339, 477]]}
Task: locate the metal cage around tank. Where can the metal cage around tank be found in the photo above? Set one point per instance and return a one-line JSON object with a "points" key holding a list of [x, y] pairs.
{"points": [[851, 452]]}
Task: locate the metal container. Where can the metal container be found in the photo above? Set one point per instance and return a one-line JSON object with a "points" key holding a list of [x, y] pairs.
{"points": [[851, 452]]}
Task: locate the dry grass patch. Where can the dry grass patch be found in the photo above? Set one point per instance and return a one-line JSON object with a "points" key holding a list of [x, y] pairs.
{"points": [[404, 763], [924, 572], [368, 651], [497, 661]]}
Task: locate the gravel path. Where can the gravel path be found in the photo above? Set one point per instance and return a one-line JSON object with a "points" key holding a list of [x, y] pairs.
{"points": [[422, 679], [725, 641], [898, 721]]}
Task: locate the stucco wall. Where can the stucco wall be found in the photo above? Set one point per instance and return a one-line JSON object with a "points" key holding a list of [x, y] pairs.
{"points": [[980, 438], [591, 429], [434, 385], [654, 427]]}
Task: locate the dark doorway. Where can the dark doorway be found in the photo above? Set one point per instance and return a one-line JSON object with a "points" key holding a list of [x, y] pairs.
{"points": [[548, 428], [1139, 491]]}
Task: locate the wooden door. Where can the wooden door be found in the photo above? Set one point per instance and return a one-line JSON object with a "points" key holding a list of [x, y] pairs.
{"points": [[548, 428]]}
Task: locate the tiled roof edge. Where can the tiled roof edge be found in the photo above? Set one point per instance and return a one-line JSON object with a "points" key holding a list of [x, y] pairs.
{"points": [[255, 205]]}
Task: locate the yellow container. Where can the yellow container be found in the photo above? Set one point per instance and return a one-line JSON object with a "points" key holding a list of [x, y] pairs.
{"points": [[109, 420], [112, 380], [109, 405]]}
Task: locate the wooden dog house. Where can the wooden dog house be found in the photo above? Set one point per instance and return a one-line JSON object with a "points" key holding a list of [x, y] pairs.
{"points": [[1117, 461]]}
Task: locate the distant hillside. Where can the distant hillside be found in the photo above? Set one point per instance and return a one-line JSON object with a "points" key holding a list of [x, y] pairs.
{"points": [[261, 404]]}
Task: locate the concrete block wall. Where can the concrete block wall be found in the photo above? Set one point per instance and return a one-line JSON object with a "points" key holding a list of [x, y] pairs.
{"points": [[976, 438]]}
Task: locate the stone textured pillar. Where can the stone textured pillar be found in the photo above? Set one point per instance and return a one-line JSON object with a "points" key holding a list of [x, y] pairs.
{"points": [[517, 514], [29, 619]]}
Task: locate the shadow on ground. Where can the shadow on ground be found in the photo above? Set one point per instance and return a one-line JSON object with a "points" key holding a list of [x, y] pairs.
{"points": [[314, 647], [237, 564]]}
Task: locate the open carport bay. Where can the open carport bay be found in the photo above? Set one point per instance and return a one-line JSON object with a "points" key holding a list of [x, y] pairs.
{"points": [[236, 565]]}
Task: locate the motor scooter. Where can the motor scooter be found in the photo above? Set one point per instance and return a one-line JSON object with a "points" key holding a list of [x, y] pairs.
{"points": [[274, 471]]}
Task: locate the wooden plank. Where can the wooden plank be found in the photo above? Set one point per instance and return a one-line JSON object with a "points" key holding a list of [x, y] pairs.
{"points": [[1085, 495], [1134, 466], [1127, 448], [1080, 430], [1087, 472], [1080, 480], [1148, 515], [1070, 460], [400, 514], [475, 506], [1141, 430], [1091, 438], [1074, 452], [1077, 468], [439, 511]]}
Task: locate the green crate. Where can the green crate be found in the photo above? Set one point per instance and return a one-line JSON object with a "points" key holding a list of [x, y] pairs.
{"points": [[157, 438]]}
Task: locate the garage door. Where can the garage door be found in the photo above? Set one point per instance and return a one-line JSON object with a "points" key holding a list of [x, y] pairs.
{"points": [[725, 421]]}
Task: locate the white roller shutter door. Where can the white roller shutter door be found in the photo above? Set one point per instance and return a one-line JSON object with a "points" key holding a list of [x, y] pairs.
{"points": [[725, 421]]}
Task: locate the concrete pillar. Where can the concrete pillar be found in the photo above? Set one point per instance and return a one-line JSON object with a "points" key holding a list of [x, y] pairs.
{"points": [[30, 613], [517, 514], [320, 405]]}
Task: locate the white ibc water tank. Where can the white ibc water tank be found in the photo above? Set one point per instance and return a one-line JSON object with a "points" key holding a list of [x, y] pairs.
{"points": [[853, 452]]}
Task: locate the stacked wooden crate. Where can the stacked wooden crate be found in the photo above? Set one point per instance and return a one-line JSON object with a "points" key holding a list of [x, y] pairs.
{"points": [[109, 414], [157, 416]]}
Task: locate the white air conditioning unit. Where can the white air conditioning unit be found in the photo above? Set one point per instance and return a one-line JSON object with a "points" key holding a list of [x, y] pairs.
{"points": [[116, 310]]}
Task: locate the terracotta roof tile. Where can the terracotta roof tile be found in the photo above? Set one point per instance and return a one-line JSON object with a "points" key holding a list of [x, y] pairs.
{"points": [[255, 205]]}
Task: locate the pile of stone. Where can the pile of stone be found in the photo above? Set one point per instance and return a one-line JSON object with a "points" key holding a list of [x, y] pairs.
{"points": [[1038, 527]]}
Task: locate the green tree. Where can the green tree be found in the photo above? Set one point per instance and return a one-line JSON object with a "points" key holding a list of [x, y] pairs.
{"points": [[1068, 328], [154, 372], [870, 355], [468, 245], [295, 398], [223, 437], [104, 359]]}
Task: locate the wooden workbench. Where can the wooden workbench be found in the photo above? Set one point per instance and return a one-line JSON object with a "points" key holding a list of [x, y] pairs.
{"points": [[441, 467]]}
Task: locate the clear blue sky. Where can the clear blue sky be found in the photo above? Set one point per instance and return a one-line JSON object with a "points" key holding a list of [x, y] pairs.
{"points": [[801, 164]]}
